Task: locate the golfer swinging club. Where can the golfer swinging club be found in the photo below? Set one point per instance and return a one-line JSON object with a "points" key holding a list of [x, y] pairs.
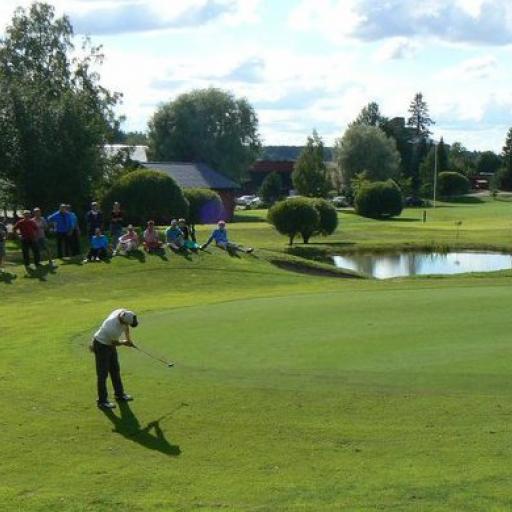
{"points": [[104, 344]]}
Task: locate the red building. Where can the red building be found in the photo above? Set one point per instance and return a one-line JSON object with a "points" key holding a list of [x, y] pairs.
{"points": [[262, 168]]}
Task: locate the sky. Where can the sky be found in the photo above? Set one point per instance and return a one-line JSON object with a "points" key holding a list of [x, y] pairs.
{"points": [[309, 64]]}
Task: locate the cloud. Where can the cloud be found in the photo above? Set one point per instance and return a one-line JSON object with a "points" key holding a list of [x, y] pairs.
{"points": [[478, 68], [138, 16], [250, 70], [397, 49], [486, 22]]}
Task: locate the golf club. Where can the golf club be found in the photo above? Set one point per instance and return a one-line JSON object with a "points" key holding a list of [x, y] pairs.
{"points": [[152, 356]]}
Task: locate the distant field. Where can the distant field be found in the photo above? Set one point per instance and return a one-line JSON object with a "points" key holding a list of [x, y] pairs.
{"points": [[290, 391]]}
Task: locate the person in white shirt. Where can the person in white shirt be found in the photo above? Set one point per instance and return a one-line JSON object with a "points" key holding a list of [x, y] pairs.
{"points": [[104, 344]]}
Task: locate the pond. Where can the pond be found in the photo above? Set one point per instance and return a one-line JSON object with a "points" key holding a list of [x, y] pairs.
{"points": [[387, 265]]}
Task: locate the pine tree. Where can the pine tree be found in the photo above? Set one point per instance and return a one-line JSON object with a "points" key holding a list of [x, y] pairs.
{"points": [[310, 176], [419, 119], [370, 116]]}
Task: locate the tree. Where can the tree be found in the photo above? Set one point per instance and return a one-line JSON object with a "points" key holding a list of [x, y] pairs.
{"points": [[458, 158], [147, 195], [206, 125], [328, 217], [204, 206], [368, 149], [419, 118], [295, 216], [504, 175], [370, 116], [380, 199], [488, 161], [271, 188], [56, 116], [452, 184], [427, 167], [310, 176]]}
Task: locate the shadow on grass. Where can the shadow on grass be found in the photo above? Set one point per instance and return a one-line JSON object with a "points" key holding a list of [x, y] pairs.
{"points": [[40, 272], [160, 253], [240, 217], [403, 219], [7, 277], [463, 200], [151, 436]]}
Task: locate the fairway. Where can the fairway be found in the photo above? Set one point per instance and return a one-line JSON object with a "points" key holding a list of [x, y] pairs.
{"points": [[290, 391]]}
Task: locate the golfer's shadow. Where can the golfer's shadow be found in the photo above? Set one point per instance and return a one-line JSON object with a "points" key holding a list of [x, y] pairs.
{"points": [[151, 436]]}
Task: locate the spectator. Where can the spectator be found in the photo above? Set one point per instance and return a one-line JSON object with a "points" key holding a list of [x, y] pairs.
{"points": [[189, 235], [93, 219], [3, 239], [116, 221], [28, 230], [151, 238], [74, 237], [42, 227], [220, 235], [63, 228], [175, 238], [99, 247], [128, 242]]}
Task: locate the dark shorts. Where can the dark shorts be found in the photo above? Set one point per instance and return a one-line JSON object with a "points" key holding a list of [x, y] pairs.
{"points": [[2, 249], [42, 244]]}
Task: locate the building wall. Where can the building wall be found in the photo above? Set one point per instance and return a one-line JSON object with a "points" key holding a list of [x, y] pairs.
{"points": [[228, 199]]}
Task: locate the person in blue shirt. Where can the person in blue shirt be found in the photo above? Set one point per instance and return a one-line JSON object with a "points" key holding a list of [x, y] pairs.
{"points": [[99, 247], [74, 238], [63, 223], [174, 237], [220, 236]]}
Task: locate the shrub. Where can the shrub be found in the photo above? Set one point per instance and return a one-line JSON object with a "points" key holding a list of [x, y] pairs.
{"points": [[205, 206], [147, 194], [295, 216], [328, 217], [271, 188], [379, 199], [452, 184]]}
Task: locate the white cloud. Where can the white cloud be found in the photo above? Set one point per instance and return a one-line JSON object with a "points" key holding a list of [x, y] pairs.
{"points": [[396, 49], [477, 68]]}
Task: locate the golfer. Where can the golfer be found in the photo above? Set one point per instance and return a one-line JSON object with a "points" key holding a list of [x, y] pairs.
{"points": [[104, 344]]}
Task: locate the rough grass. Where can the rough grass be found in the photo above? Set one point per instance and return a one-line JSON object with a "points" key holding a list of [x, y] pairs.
{"points": [[290, 392]]}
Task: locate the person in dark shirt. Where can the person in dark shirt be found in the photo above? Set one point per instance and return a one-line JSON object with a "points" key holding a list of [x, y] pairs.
{"points": [[93, 219], [189, 235], [28, 230], [116, 222]]}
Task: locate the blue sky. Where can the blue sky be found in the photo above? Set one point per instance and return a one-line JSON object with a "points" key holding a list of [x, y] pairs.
{"points": [[308, 64]]}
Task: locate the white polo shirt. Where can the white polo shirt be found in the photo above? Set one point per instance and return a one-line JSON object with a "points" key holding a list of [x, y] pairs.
{"points": [[111, 329]]}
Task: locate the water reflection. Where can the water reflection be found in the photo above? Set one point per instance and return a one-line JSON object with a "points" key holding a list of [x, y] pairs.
{"points": [[389, 265]]}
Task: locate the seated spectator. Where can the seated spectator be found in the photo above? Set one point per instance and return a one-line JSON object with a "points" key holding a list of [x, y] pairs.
{"points": [[189, 235], [174, 237], [151, 238], [128, 242], [99, 247], [220, 235], [3, 238]]}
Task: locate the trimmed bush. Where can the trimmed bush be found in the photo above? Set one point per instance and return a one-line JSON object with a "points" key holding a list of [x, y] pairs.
{"points": [[205, 206], [452, 184], [147, 195], [380, 199], [328, 217], [295, 216]]}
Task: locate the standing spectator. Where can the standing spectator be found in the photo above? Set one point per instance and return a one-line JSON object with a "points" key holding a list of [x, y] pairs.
{"points": [[99, 247], [28, 230], [74, 237], [174, 237], [42, 227], [3, 238], [128, 242], [220, 235], [63, 227], [151, 238], [189, 235], [94, 219], [116, 221]]}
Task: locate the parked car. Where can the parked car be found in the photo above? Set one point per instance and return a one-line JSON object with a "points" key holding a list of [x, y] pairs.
{"points": [[249, 201], [340, 201], [414, 201]]}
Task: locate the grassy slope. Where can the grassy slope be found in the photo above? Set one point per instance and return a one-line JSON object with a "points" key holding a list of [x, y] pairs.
{"points": [[301, 393]]}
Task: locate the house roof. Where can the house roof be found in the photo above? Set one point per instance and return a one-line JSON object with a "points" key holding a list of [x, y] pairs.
{"points": [[281, 166], [193, 175]]}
